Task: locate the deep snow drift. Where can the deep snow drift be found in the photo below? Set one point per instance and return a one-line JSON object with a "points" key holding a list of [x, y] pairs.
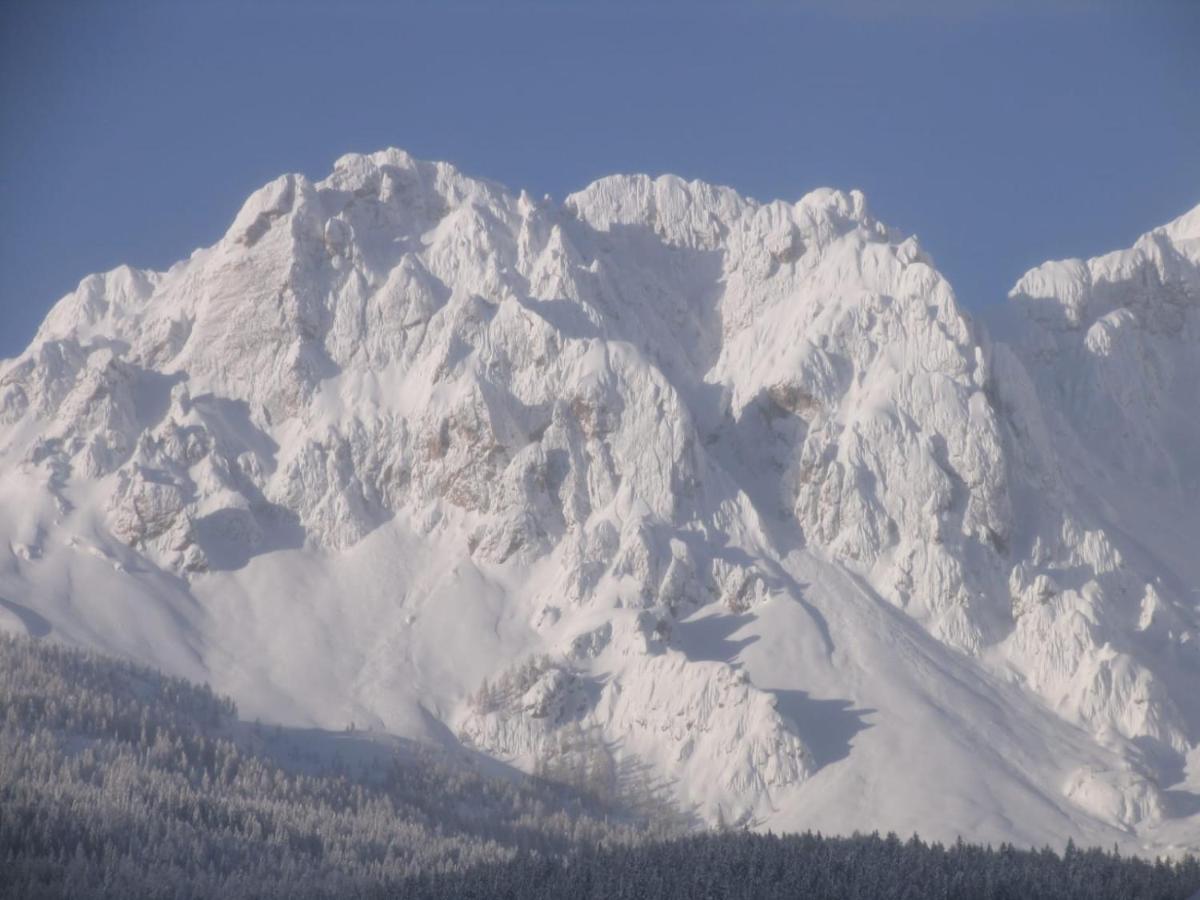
{"points": [[727, 495]]}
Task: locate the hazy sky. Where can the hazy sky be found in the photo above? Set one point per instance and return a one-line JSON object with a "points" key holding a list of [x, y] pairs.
{"points": [[1001, 134]]}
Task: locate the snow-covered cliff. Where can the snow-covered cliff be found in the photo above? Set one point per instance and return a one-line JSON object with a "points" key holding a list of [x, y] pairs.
{"points": [[659, 487]]}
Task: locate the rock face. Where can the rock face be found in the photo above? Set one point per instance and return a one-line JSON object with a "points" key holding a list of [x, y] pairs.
{"points": [[1106, 581], [407, 447]]}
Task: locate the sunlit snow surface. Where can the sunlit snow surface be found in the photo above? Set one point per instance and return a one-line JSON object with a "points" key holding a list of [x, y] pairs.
{"points": [[734, 491]]}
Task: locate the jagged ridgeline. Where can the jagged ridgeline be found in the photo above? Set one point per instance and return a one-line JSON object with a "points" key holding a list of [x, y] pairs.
{"points": [[118, 781], [653, 485]]}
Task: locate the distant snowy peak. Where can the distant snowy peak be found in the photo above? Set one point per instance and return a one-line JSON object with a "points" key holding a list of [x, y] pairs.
{"points": [[1115, 344], [1157, 279], [1111, 348]]}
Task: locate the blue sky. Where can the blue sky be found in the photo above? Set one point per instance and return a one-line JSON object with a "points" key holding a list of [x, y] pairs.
{"points": [[1001, 134]]}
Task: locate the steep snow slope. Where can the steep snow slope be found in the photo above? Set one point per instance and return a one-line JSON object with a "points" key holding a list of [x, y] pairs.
{"points": [[1107, 576], [659, 489]]}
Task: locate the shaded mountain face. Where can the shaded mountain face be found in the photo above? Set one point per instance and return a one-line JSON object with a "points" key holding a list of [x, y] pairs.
{"points": [[659, 477]]}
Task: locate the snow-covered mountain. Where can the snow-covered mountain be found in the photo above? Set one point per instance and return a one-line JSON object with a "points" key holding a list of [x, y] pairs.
{"points": [[659, 487]]}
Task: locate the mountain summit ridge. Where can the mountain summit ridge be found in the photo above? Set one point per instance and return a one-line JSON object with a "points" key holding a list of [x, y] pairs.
{"points": [[729, 491]]}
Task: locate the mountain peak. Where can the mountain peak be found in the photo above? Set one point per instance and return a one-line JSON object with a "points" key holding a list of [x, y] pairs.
{"points": [[732, 487]]}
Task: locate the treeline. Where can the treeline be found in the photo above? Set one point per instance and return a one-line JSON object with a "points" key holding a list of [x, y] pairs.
{"points": [[117, 781], [747, 866]]}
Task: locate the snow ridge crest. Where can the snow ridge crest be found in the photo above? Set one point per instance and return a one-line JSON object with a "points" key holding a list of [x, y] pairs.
{"points": [[649, 406]]}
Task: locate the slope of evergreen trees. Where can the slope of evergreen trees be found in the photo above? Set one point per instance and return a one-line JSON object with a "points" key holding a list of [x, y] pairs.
{"points": [[116, 781], [749, 866]]}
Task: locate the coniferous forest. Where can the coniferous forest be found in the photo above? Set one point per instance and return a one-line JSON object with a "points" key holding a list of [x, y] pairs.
{"points": [[117, 781]]}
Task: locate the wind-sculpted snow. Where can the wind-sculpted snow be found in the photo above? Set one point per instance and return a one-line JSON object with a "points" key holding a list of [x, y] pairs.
{"points": [[402, 432]]}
